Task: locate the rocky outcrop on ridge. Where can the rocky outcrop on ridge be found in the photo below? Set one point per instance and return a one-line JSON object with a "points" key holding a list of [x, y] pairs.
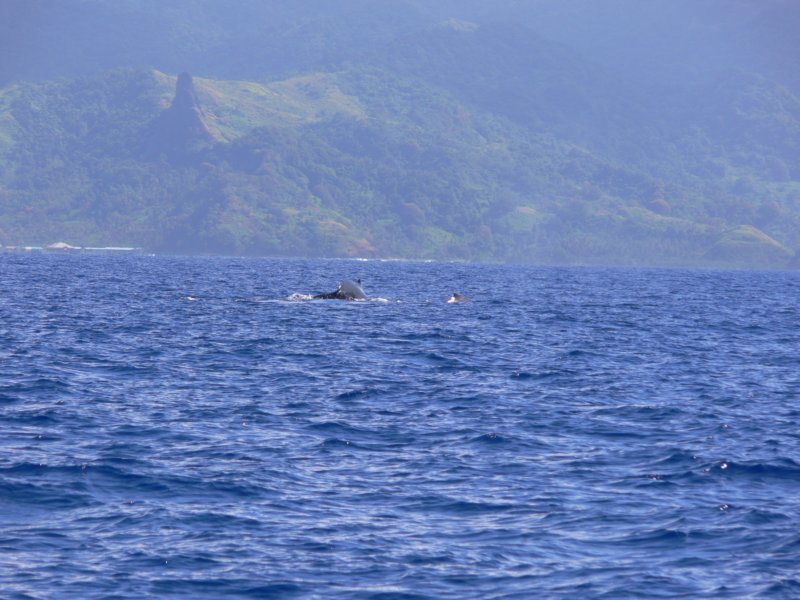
{"points": [[181, 129]]}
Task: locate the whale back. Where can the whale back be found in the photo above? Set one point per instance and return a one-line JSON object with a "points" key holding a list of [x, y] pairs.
{"points": [[456, 298], [351, 290]]}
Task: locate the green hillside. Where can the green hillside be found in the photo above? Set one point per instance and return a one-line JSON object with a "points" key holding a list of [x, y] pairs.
{"points": [[423, 138]]}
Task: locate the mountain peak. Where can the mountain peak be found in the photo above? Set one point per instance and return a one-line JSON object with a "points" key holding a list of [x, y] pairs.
{"points": [[182, 127], [185, 97]]}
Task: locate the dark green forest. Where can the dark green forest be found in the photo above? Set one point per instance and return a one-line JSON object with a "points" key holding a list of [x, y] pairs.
{"points": [[533, 132]]}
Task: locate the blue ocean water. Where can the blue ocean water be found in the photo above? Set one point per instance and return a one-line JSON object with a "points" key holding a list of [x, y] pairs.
{"points": [[195, 427]]}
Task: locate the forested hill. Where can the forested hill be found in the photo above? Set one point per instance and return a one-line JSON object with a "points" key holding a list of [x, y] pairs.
{"points": [[397, 129]]}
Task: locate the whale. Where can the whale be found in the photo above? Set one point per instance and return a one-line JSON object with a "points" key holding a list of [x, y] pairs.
{"points": [[347, 290], [456, 298]]}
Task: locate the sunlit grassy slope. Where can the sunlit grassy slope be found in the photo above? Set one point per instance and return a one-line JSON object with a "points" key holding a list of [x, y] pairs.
{"points": [[234, 108]]}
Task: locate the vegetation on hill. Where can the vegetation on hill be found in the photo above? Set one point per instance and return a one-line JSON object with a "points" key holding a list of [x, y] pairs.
{"points": [[422, 138]]}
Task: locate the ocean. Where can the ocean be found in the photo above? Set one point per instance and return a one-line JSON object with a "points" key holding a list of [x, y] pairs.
{"points": [[176, 427]]}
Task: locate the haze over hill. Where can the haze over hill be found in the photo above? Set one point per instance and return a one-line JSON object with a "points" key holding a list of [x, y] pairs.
{"points": [[665, 132]]}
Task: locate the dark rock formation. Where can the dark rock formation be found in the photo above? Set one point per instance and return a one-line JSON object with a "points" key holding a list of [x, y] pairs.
{"points": [[185, 116], [181, 130]]}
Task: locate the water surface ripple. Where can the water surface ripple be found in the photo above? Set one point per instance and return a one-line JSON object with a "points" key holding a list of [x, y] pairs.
{"points": [[186, 427]]}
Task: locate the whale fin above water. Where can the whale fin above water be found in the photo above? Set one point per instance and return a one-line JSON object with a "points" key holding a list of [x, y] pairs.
{"points": [[347, 290], [456, 297]]}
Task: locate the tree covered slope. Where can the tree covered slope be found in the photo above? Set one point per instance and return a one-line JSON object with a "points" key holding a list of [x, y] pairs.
{"points": [[385, 129]]}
